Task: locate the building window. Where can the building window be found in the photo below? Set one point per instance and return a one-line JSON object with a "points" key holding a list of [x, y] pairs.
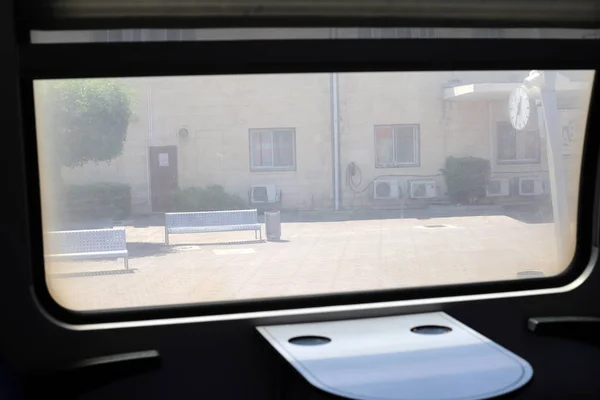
{"points": [[273, 149], [517, 147], [396, 146]]}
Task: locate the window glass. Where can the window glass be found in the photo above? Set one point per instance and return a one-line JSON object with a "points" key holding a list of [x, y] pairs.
{"points": [[384, 143], [405, 144], [437, 187], [283, 148], [396, 145], [517, 146], [507, 143], [272, 149]]}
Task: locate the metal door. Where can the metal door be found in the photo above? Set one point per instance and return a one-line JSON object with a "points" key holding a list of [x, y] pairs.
{"points": [[163, 177]]}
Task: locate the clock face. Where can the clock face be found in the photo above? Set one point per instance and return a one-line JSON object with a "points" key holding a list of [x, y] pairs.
{"points": [[520, 108]]}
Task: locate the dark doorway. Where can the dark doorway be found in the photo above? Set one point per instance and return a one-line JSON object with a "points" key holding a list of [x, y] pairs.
{"points": [[163, 176]]}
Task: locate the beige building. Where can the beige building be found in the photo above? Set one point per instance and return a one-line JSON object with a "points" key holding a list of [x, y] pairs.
{"points": [[327, 141], [240, 131]]}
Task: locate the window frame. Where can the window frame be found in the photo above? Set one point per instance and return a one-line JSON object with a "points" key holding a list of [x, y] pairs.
{"points": [[54, 61], [254, 168], [516, 161], [416, 146]]}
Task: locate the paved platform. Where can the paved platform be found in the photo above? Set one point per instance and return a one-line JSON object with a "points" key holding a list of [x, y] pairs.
{"points": [[313, 257]]}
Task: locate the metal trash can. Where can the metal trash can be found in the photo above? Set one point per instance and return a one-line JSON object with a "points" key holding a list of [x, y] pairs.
{"points": [[273, 226]]}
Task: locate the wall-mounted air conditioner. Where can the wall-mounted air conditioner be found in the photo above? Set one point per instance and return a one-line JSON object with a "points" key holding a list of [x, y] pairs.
{"points": [[386, 189], [423, 189], [264, 194], [531, 186], [498, 187]]}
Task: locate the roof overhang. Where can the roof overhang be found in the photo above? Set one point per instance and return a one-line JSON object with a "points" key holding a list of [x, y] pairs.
{"points": [[501, 91]]}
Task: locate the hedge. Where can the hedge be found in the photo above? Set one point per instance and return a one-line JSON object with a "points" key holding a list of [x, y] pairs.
{"points": [[466, 178], [211, 198], [97, 201]]}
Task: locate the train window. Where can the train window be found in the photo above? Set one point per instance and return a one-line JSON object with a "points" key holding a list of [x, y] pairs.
{"points": [[151, 194]]}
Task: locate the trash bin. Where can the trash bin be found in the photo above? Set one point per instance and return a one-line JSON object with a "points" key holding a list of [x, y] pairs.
{"points": [[273, 226]]}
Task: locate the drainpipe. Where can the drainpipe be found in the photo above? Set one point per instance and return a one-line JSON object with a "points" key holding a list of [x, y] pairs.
{"points": [[335, 131], [336, 138], [492, 137], [149, 141]]}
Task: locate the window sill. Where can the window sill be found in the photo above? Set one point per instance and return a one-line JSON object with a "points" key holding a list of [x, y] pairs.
{"points": [[273, 170], [526, 162], [398, 166]]}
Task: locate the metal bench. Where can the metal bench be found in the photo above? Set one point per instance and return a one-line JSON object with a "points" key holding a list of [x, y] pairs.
{"points": [[86, 244], [211, 221]]}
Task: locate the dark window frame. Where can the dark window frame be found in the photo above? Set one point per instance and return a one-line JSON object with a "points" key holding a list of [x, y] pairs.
{"points": [[54, 61], [274, 168]]}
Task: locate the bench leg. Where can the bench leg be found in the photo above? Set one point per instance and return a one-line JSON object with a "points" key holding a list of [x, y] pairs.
{"points": [[255, 235], [166, 237], [260, 231], [126, 262]]}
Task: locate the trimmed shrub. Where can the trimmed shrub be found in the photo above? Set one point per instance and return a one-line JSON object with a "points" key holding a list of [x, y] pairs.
{"points": [[97, 201], [211, 198], [466, 178]]}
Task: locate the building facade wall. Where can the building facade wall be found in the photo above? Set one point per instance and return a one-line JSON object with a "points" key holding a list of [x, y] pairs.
{"points": [[373, 99], [220, 111]]}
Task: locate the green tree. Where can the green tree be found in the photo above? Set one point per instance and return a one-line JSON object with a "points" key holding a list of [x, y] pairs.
{"points": [[80, 121], [89, 120]]}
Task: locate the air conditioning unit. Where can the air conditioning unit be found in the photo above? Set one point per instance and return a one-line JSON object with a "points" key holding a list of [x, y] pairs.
{"points": [[531, 186], [264, 194], [386, 189], [498, 187], [423, 189]]}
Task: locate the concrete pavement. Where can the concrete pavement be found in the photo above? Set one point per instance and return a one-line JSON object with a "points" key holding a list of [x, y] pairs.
{"points": [[313, 257]]}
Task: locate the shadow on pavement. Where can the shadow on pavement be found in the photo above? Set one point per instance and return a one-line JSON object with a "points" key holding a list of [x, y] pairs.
{"points": [[531, 212], [94, 273], [145, 221], [142, 249], [237, 242]]}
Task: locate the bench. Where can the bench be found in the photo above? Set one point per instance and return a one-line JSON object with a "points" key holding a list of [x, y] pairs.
{"points": [[211, 221], [86, 244]]}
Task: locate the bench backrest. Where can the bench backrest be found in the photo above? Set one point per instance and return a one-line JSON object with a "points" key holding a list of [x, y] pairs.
{"points": [[85, 241], [211, 218]]}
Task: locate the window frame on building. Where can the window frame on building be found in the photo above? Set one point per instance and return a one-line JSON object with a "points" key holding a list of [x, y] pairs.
{"points": [[395, 163], [271, 168], [520, 140]]}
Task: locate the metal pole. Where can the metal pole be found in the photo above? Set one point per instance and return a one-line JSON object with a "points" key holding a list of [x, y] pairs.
{"points": [[150, 140], [335, 130], [336, 140], [556, 169]]}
